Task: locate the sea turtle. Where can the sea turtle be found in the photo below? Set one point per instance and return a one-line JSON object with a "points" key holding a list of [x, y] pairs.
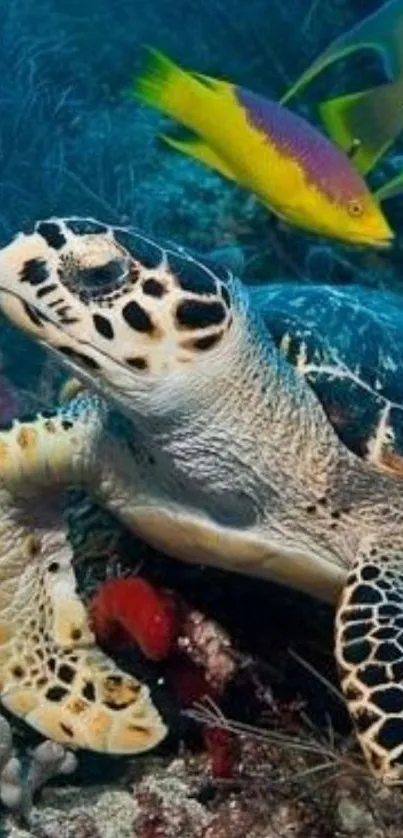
{"points": [[255, 429]]}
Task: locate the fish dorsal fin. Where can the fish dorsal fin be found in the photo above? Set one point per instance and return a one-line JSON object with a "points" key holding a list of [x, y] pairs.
{"points": [[371, 118], [218, 85], [381, 31]]}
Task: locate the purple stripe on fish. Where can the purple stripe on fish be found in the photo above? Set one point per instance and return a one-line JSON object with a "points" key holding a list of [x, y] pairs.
{"points": [[326, 167]]}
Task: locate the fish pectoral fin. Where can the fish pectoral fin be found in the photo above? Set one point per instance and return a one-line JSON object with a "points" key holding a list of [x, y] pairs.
{"points": [[195, 147], [390, 189], [372, 118]]}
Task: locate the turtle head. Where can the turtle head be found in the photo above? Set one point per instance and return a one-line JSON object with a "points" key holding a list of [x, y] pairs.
{"points": [[128, 316]]}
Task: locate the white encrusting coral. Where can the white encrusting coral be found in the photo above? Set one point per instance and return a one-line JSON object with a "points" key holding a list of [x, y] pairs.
{"points": [[18, 787]]}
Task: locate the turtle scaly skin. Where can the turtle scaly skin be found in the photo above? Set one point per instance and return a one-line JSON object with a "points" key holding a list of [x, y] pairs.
{"points": [[214, 446]]}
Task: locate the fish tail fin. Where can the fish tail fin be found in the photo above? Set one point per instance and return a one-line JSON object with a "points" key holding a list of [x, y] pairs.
{"points": [[175, 92], [370, 119]]}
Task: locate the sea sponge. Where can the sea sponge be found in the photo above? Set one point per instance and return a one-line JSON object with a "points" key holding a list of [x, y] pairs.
{"points": [[132, 610]]}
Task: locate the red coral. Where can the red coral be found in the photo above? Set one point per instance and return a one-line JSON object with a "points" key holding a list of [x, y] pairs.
{"points": [[190, 684], [127, 610], [130, 609], [222, 747], [188, 681]]}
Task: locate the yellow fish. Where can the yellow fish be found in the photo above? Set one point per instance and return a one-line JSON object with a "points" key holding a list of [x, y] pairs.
{"points": [[284, 160]]}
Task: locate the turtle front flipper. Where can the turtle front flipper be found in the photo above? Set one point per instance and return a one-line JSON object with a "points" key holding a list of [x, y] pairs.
{"points": [[54, 448], [369, 653], [51, 672]]}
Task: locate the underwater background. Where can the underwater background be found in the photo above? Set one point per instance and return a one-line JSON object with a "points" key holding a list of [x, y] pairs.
{"points": [[73, 142]]}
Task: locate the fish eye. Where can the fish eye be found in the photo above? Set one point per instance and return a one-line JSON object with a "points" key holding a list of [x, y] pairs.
{"points": [[355, 208]]}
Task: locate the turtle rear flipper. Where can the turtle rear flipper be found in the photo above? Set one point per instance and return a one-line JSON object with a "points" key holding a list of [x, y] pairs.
{"points": [[51, 672], [369, 652]]}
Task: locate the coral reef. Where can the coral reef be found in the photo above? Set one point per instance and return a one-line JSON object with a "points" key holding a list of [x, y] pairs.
{"points": [[18, 786], [287, 776], [317, 791]]}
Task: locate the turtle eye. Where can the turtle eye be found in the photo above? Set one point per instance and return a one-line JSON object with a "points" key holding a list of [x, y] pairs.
{"points": [[355, 208], [100, 282], [103, 278]]}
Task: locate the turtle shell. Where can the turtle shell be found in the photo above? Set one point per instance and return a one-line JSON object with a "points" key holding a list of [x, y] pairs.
{"points": [[347, 342]]}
